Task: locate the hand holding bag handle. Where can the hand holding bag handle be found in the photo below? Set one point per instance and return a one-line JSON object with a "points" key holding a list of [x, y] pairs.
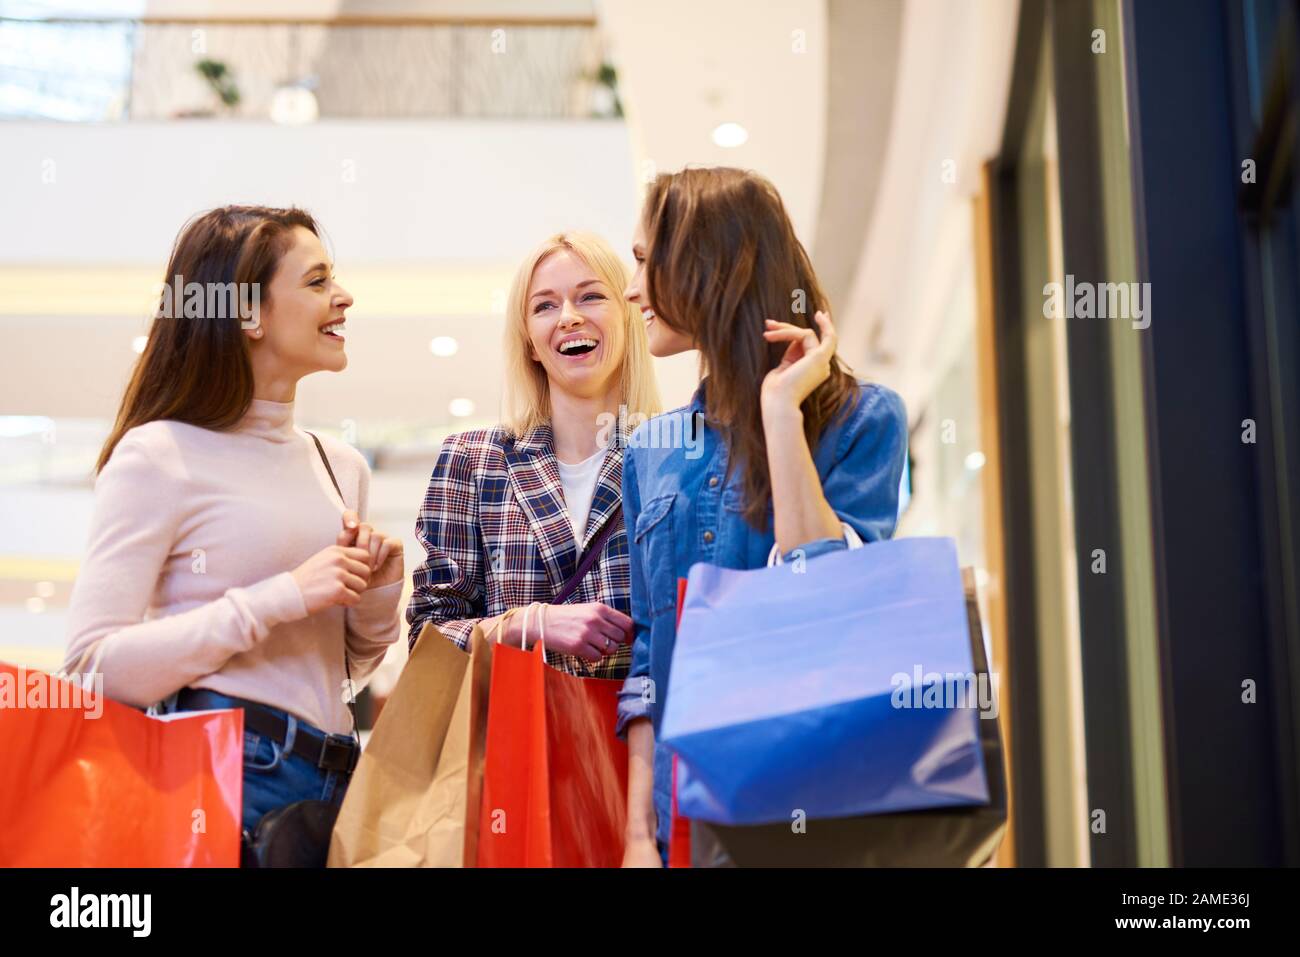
{"points": [[541, 628], [498, 629], [568, 589]]}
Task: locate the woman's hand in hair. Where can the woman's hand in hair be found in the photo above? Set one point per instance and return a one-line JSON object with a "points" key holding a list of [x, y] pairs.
{"points": [[333, 576], [805, 365], [384, 551], [801, 513], [589, 631]]}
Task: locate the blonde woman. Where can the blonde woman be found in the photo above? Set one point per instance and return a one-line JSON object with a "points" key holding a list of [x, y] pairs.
{"points": [[529, 513]]}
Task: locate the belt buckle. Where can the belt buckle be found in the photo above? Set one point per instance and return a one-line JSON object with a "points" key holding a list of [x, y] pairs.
{"points": [[341, 745]]}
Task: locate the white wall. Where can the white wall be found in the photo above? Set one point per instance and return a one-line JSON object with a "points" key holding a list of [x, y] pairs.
{"points": [[429, 219], [384, 191]]}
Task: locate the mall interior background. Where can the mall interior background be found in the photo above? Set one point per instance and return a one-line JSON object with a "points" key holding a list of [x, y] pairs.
{"points": [[942, 160]]}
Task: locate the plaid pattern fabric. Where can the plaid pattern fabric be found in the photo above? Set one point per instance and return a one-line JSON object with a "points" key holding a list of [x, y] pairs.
{"points": [[496, 535]]}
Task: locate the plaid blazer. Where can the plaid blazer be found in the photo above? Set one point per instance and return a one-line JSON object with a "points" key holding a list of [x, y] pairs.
{"points": [[497, 535]]}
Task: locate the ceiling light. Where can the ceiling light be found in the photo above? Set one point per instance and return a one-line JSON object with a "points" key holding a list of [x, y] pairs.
{"points": [[730, 135], [461, 407], [975, 461], [443, 346]]}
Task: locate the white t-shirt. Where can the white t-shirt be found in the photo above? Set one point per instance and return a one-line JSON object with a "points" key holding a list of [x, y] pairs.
{"points": [[579, 481]]}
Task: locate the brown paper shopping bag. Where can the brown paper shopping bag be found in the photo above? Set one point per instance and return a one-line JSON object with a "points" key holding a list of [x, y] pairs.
{"points": [[414, 796]]}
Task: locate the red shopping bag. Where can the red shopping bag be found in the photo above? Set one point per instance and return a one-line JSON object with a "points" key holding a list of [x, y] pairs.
{"points": [[679, 832], [90, 782], [554, 774]]}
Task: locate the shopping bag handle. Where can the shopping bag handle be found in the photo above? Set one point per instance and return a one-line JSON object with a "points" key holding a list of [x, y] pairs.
{"points": [[498, 630], [94, 654], [541, 627], [851, 536]]}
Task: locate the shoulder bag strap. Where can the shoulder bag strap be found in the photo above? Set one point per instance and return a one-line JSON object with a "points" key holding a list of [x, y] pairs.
{"points": [[589, 558], [352, 698]]}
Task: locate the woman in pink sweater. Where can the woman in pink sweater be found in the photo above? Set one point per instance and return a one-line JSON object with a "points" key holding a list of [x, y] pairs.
{"points": [[229, 563]]}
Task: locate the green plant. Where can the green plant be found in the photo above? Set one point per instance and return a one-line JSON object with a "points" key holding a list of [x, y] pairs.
{"points": [[607, 80], [220, 78]]}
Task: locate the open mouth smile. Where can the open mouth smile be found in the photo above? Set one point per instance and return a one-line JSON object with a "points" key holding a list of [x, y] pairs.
{"points": [[577, 346], [333, 330]]}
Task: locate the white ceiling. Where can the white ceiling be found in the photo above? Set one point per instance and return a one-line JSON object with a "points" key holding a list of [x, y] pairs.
{"points": [[954, 68], [686, 66]]}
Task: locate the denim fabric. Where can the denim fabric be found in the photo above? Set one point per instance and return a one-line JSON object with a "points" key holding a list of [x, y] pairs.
{"points": [[681, 507], [273, 776]]}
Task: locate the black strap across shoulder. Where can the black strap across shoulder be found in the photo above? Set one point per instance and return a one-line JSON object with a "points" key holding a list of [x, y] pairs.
{"points": [[589, 558], [352, 704], [325, 458]]}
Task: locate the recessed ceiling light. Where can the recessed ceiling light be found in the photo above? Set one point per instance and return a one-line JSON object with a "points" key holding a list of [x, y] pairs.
{"points": [[730, 135], [975, 461], [138, 344], [461, 407], [443, 346]]}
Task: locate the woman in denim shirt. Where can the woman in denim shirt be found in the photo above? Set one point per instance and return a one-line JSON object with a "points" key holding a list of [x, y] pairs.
{"points": [[781, 452]]}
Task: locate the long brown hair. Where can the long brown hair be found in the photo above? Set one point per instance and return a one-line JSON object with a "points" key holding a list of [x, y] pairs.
{"points": [[722, 257], [198, 370]]}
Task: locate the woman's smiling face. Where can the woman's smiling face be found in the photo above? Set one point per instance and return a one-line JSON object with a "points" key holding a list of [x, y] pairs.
{"points": [[575, 326], [303, 321], [662, 338]]}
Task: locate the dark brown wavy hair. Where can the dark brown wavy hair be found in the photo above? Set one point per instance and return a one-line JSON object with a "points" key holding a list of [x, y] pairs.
{"points": [[198, 370], [721, 258]]}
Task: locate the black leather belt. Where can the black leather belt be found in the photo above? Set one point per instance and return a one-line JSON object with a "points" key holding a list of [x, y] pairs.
{"points": [[329, 752]]}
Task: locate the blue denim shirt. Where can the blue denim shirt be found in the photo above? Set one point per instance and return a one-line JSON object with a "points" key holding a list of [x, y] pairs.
{"points": [[681, 507]]}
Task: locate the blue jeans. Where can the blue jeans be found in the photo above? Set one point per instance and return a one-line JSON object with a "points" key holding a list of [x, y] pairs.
{"points": [[275, 777]]}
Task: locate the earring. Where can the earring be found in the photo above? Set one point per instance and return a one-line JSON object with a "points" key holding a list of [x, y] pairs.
{"points": [[257, 333]]}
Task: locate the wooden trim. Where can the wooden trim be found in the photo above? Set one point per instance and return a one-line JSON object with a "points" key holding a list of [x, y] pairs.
{"points": [[345, 21], [991, 485], [1021, 691]]}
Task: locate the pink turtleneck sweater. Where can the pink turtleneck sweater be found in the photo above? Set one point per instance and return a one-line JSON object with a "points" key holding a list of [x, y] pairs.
{"points": [[186, 579]]}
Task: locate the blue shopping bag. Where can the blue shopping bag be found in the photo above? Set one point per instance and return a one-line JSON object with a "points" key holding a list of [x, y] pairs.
{"points": [[840, 687]]}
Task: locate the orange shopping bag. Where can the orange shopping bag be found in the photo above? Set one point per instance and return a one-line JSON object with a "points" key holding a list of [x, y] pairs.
{"points": [[90, 782], [554, 774]]}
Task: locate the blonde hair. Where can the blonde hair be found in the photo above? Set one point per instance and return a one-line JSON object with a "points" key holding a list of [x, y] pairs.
{"points": [[527, 390]]}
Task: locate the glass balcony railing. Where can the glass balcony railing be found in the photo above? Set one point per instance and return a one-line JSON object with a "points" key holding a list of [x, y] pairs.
{"points": [[119, 70]]}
